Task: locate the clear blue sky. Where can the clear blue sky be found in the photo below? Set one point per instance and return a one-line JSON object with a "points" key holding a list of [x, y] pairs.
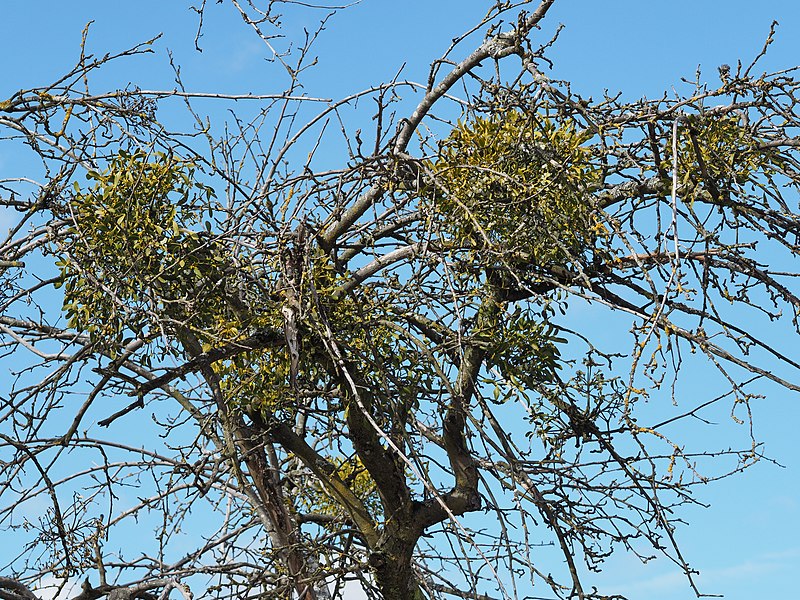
{"points": [[748, 544]]}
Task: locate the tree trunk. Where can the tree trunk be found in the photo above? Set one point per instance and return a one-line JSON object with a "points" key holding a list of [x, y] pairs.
{"points": [[393, 573]]}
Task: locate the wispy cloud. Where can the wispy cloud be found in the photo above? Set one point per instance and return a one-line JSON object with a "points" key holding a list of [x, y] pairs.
{"points": [[244, 55], [785, 503], [53, 588], [674, 583]]}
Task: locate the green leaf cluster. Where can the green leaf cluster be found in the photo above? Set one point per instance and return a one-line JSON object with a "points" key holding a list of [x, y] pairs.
{"points": [[717, 154], [132, 257], [361, 325], [525, 349], [518, 185], [355, 476], [260, 380]]}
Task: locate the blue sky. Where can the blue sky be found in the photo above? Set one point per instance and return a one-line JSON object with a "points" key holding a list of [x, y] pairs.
{"points": [[746, 545]]}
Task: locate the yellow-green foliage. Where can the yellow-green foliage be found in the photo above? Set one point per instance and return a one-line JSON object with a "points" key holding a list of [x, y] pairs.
{"points": [[260, 380], [355, 476], [716, 152], [525, 348], [516, 183], [130, 252], [253, 380]]}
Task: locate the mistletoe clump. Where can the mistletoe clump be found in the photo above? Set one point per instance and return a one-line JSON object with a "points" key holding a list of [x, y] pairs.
{"points": [[131, 240], [517, 185], [717, 156]]}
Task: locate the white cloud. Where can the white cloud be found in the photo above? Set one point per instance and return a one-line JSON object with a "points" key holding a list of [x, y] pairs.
{"points": [[674, 583], [52, 588], [353, 591]]}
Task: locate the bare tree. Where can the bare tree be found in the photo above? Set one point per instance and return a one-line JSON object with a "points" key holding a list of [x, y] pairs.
{"points": [[299, 375]]}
